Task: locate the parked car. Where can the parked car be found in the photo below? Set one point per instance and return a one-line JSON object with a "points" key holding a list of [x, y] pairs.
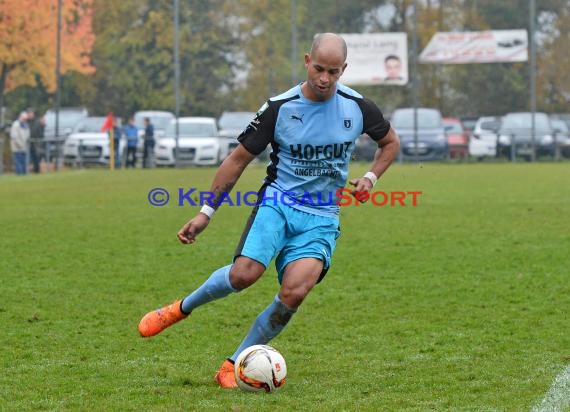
{"points": [[67, 118], [365, 148], [88, 145], [516, 134], [561, 116], [198, 143], [561, 136], [469, 123], [431, 140], [231, 124], [457, 138], [483, 141]]}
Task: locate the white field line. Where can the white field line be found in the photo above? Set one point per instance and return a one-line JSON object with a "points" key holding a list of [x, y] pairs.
{"points": [[557, 399]]}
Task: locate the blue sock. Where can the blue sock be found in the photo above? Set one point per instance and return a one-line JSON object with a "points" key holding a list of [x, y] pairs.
{"points": [[217, 286], [267, 325]]}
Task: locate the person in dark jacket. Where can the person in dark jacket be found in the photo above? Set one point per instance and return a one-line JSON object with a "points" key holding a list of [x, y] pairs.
{"points": [[117, 133], [148, 142], [37, 127]]}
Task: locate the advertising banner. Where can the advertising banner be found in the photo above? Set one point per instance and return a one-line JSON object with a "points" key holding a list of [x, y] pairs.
{"points": [[376, 59], [492, 46]]}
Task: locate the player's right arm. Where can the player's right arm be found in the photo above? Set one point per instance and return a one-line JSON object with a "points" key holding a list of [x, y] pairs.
{"points": [[224, 180], [253, 140]]}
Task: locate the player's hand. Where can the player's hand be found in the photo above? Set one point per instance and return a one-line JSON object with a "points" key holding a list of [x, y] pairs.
{"points": [[362, 187], [193, 228]]}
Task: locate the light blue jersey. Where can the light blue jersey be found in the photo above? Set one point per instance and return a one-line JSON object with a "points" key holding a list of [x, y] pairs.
{"points": [[312, 144]]}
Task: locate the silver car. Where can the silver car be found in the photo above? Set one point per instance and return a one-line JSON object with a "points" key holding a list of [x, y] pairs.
{"points": [[231, 125], [561, 137], [515, 136], [88, 145]]}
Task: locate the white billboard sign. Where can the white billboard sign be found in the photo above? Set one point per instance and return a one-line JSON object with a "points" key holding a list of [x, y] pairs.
{"points": [[491, 46], [376, 59]]}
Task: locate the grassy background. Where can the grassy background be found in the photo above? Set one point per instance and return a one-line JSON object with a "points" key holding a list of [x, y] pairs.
{"points": [[459, 303]]}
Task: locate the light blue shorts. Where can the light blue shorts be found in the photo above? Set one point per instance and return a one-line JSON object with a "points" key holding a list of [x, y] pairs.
{"points": [[289, 234]]}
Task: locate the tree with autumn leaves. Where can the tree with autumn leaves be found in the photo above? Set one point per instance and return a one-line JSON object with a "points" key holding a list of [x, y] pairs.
{"points": [[235, 53], [28, 47]]}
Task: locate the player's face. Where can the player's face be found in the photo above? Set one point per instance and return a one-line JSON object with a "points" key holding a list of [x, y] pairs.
{"points": [[323, 71]]}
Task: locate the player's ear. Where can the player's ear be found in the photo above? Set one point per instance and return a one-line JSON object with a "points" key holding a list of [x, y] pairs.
{"points": [[307, 60], [343, 68]]}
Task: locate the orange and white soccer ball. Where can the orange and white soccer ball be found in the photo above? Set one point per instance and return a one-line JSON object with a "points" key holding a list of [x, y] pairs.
{"points": [[260, 368]]}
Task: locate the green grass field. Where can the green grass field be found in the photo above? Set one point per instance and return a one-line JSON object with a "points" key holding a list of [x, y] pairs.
{"points": [[457, 304]]}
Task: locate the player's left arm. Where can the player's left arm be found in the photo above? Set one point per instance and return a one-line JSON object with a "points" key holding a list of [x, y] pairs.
{"points": [[380, 130], [388, 149], [224, 180]]}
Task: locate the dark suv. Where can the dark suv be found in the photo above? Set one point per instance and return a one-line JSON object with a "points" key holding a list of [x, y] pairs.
{"points": [[431, 140]]}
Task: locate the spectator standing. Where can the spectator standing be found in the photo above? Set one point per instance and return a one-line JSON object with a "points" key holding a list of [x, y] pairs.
{"points": [[37, 127], [43, 147], [148, 142], [117, 134], [19, 141], [132, 136]]}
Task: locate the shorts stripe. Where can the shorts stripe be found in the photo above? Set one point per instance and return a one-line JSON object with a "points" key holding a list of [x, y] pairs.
{"points": [[250, 221]]}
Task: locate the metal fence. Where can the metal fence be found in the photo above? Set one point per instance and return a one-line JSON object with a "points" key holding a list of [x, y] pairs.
{"points": [[50, 152]]}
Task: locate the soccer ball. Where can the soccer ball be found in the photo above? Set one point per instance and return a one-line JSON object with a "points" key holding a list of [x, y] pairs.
{"points": [[260, 368]]}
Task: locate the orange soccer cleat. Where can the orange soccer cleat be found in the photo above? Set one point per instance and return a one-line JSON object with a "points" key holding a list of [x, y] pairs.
{"points": [[156, 321], [226, 377]]}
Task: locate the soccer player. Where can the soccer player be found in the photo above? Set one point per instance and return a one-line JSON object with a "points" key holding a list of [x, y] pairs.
{"points": [[312, 129]]}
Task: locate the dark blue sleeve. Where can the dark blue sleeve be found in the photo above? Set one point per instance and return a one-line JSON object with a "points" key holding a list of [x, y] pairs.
{"points": [[375, 125]]}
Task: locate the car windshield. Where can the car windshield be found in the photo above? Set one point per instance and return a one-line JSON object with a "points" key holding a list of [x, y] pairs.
{"points": [[192, 129], [453, 128], [427, 119], [235, 120], [469, 123], [524, 121], [158, 121], [490, 125], [90, 125], [66, 119]]}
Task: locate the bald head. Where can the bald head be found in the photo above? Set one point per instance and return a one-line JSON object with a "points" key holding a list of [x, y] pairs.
{"points": [[325, 64], [330, 42]]}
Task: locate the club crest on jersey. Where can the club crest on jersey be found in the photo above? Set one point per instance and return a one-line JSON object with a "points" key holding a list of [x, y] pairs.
{"points": [[347, 124]]}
